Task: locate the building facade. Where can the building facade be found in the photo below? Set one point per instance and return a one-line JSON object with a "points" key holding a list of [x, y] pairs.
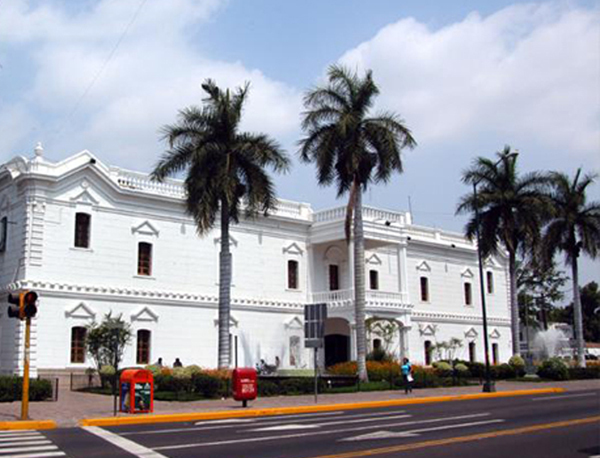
{"points": [[92, 239]]}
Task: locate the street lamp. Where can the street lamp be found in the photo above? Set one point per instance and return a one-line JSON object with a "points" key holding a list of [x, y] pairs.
{"points": [[488, 385]]}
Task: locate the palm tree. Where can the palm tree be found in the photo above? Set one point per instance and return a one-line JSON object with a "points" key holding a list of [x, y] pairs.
{"points": [[225, 173], [512, 210], [353, 150], [574, 227]]}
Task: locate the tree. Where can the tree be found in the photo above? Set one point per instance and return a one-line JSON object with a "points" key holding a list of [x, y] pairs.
{"points": [[574, 227], [539, 287], [225, 176], [353, 150], [105, 343], [512, 210]]}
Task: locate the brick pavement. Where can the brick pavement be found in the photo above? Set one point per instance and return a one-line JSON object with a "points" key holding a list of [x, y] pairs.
{"points": [[73, 406]]}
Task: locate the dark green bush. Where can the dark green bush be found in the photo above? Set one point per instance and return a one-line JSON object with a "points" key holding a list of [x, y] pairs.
{"points": [[166, 382], [502, 371], [582, 373], [298, 385], [553, 369], [379, 355], [11, 388], [267, 388], [207, 385], [476, 369]]}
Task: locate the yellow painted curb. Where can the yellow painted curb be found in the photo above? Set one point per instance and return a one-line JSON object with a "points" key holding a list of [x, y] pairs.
{"points": [[33, 424], [219, 415]]}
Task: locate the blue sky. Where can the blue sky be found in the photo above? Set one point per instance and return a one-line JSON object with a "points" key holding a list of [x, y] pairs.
{"points": [[468, 77]]}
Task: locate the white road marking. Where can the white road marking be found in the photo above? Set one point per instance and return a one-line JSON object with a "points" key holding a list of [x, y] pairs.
{"points": [[125, 444], [10, 432], [285, 427], [35, 455], [345, 422], [24, 442], [40, 448], [20, 436], [221, 422], [262, 420], [313, 433], [416, 432], [565, 396]]}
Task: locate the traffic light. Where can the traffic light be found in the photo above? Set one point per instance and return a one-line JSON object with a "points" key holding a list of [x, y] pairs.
{"points": [[24, 305], [30, 303], [16, 310]]}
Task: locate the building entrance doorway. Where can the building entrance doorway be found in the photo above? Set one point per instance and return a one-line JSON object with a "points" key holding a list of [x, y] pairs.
{"points": [[337, 341]]}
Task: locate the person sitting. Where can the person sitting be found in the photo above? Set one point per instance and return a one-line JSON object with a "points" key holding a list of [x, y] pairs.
{"points": [[177, 363]]}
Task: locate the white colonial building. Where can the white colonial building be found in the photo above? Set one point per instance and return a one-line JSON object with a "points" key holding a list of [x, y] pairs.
{"points": [[92, 239]]}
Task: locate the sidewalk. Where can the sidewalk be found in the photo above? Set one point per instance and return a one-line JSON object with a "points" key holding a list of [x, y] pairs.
{"points": [[74, 406]]}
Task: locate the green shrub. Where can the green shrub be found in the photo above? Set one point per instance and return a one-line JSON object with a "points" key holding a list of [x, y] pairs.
{"points": [[553, 369], [443, 369], [582, 373], [461, 370], [476, 369], [379, 355], [11, 389], [267, 388], [154, 368], [518, 365], [206, 385], [502, 371], [299, 385], [164, 382]]}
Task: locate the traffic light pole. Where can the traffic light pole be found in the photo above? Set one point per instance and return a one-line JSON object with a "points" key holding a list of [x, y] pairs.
{"points": [[25, 398]]}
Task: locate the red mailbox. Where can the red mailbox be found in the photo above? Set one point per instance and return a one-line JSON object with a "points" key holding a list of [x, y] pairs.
{"points": [[137, 391], [244, 384]]}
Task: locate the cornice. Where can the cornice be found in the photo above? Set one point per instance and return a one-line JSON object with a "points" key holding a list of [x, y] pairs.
{"points": [[457, 318]]}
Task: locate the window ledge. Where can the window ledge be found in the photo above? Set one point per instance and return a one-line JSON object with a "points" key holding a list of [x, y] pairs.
{"points": [[81, 250], [293, 290], [145, 277]]}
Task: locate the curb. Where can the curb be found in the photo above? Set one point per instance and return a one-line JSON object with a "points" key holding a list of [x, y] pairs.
{"points": [[34, 424], [219, 415]]}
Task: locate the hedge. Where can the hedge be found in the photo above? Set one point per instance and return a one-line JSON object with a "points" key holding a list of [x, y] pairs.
{"points": [[11, 389]]}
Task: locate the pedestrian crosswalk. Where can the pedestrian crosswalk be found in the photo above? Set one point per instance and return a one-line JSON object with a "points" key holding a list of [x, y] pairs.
{"points": [[27, 444]]}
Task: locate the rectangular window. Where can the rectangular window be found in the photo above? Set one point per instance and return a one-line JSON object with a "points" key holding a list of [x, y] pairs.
{"points": [[373, 279], [3, 233], [424, 289], [78, 344], [292, 274], [82, 230], [144, 258], [334, 279], [490, 282], [143, 346], [468, 298], [495, 356], [428, 352], [472, 352]]}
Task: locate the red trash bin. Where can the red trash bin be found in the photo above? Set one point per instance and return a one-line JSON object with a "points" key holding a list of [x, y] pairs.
{"points": [[137, 391], [244, 384]]}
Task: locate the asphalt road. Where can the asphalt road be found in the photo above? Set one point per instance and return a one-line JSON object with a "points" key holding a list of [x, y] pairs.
{"points": [[557, 425]]}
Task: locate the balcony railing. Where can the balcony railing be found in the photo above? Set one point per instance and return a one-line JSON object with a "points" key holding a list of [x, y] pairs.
{"points": [[346, 296]]}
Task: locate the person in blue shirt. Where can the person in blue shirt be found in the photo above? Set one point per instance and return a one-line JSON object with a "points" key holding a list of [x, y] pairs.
{"points": [[407, 375]]}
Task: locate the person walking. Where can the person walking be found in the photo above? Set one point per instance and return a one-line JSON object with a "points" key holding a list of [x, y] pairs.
{"points": [[407, 375]]}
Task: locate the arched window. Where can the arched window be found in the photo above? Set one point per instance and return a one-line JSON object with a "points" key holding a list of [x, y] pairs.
{"points": [[495, 355], [472, 352], [468, 297], [490, 282], [82, 230], [78, 344], [143, 346], [373, 279], [292, 274], [334, 277], [144, 258], [424, 289], [428, 352]]}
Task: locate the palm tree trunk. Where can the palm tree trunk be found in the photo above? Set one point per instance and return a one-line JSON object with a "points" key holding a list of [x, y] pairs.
{"points": [[359, 288], [514, 304], [577, 314], [224, 289]]}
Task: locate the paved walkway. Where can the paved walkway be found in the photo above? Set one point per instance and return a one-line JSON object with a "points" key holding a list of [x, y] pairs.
{"points": [[73, 406]]}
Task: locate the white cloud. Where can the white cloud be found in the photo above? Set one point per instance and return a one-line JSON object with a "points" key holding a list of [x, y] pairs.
{"points": [[526, 75], [154, 73]]}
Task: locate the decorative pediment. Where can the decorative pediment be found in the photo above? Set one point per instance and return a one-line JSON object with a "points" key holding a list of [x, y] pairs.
{"points": [[295, 324], [232, 322], [495, 334], [427, 329], [232, 241], [293, 248], [471, 333], [423, 266], [145, 228], [85, 197], [467, 273], [145, 314], [374, 260], [491, 263], [80, 311]]}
